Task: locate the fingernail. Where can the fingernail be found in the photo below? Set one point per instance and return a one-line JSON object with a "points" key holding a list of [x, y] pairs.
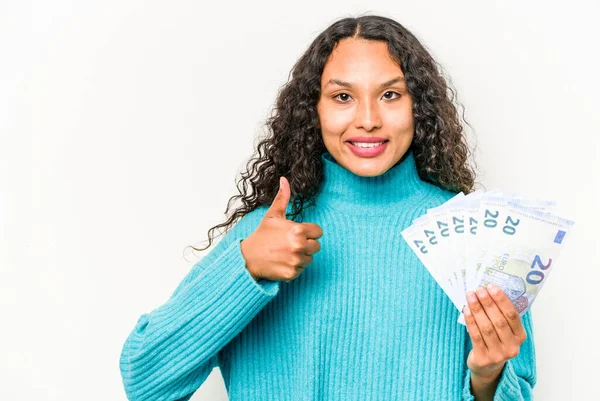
{"points": [[466, 311], [492, 289], [471, 296]]}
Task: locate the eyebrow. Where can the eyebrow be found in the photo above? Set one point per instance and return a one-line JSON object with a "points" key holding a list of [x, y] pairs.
{"points": [[349, 85]]}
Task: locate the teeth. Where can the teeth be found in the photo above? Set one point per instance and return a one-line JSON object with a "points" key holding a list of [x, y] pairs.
{"points": [[366, 144]]}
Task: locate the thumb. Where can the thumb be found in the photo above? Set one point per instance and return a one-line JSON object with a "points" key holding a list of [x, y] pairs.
{"points": [[280, 203]]}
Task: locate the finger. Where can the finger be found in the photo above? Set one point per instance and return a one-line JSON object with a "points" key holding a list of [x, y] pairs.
{"points": [[305, 260], [312, 230], [486, 328], [280, 203], [312, 246], [503, 329], [479, 346], [509, 311]]}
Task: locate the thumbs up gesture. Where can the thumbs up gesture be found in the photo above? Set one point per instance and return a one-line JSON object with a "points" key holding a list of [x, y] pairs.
{"points": [[279, 249]]}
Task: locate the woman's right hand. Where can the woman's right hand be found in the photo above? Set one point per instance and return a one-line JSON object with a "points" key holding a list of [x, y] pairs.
{"points": [[279, 249]]}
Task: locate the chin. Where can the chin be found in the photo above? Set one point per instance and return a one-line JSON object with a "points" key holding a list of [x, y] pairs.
{"points": [[369, 168]]}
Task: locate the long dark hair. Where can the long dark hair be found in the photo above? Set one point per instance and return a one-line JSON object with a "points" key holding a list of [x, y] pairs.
{"points": [[293, 145]]}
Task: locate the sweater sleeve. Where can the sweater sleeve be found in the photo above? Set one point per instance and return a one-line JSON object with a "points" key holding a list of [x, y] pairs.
{"points": [[519, 374], [172, 349]]}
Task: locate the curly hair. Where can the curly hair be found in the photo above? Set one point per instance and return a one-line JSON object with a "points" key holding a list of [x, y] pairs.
{"points": [[294, 144]]}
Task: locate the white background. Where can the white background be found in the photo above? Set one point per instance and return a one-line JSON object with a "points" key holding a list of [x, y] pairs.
{"points": [[124, 124]]}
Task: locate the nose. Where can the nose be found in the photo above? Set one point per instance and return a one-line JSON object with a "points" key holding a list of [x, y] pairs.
{"points": [[368, 116]]}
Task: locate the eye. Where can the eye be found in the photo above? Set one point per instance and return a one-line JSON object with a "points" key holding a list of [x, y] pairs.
{"points": [[345, 94], [392, 92], [338, 95]]}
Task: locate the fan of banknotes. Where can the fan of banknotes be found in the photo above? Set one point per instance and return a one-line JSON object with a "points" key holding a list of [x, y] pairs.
{"points": [[489, 237]]}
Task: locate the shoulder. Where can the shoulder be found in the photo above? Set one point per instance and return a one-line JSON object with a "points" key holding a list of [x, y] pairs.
{"points": [[248, 222], [239, 230]]}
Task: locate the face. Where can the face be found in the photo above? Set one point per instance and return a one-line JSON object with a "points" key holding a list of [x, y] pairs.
{"points": [[362, 97]]}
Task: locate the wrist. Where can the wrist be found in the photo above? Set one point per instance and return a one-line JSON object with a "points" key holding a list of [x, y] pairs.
{"points": [[255, 277], [489, 376]]}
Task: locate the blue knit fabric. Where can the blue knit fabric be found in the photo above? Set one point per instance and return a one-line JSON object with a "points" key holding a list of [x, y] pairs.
{"points": [[364, 321]]}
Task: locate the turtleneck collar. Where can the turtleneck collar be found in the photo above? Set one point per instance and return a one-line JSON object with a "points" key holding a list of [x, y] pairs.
{"points": [[347, 192]]}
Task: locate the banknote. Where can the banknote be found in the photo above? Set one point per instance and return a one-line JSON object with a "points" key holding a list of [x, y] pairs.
{"points": [[489, 237], [521, 253], [424, 243]]}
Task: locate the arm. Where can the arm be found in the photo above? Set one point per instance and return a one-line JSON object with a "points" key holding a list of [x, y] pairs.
{"points": [[516, 380], [172, 350]]}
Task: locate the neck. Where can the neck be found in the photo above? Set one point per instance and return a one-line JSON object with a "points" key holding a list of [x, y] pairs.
{"points": [[349, 193]]}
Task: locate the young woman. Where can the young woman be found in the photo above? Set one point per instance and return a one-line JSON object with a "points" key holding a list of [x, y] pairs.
{"points": [[313, 294]]}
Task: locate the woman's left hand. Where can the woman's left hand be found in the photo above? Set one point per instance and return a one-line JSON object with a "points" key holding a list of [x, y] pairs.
{"points": [[495, 329]]}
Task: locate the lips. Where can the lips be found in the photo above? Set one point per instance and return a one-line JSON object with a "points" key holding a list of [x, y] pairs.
{"points": [[367, 139], [367, 152], [382, 140]]}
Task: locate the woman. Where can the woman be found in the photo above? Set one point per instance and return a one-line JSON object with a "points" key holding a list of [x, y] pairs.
{"points": [[336, 306]]}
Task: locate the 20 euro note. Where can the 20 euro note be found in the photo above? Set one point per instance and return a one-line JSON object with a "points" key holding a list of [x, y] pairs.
{"points": [[520, 256], [446, 252], [423, 243], [463, 226], [493, 218]]}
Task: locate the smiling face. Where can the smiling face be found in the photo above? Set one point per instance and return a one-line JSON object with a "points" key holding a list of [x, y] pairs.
{"points": [[363, 94]]}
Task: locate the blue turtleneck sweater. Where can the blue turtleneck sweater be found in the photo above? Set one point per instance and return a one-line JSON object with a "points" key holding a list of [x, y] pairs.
{"points": [[364, 321]]}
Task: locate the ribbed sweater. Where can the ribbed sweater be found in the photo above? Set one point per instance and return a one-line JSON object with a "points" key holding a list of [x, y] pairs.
{"points": [[364, 321]]}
